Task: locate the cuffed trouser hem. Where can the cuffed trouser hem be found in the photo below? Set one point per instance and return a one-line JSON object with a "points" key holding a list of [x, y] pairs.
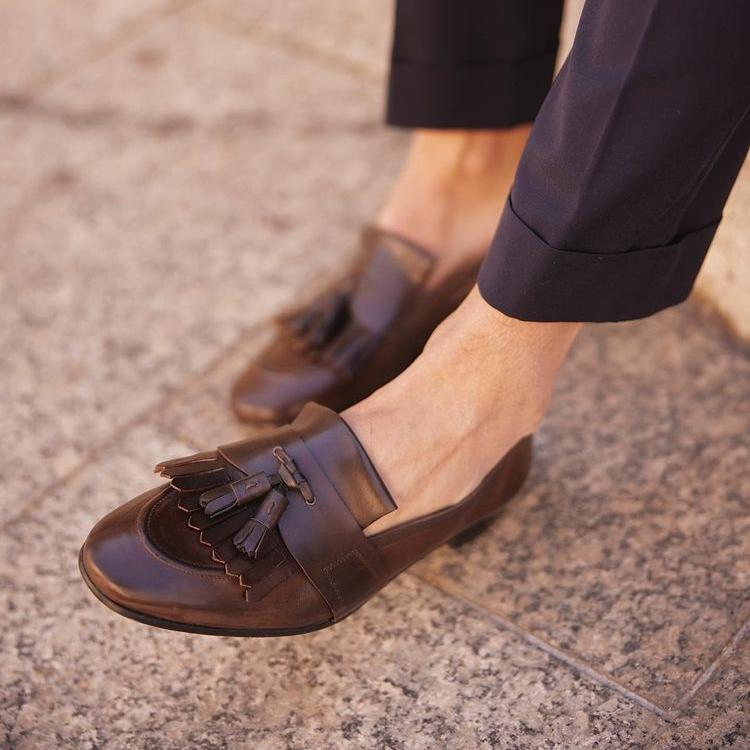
{"points": [[525, 278], [482, 95]]}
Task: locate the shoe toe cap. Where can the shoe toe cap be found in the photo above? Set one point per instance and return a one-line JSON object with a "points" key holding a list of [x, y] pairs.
{"points": [[127, 572], [131, 575], [112, 555], [267, 395]]}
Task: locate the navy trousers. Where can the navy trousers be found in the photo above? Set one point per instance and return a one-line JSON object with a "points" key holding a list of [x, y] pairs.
{"points": [[635, 146]]}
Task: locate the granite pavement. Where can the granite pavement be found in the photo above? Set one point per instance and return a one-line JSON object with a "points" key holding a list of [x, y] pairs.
{"points": [[174, 172]]}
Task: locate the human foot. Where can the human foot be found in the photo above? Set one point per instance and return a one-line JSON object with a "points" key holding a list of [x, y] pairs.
{"points": [[292, 530], [358, 334], [482, 383], [412, 273], [265, 536]]}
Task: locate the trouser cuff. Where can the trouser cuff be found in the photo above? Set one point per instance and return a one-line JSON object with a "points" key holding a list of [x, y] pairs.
{"points": [[525, 278], [483, 95]]}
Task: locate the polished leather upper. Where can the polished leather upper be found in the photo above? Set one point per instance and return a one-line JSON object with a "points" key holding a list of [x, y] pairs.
{"points": [[355, 336], [266, 535]]}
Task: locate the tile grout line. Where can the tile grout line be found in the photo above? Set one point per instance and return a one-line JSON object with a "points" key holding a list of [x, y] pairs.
{"points": [[121, 37], [568, 659], [724, 656], [100, 50], [289, 43], [141, 417]]}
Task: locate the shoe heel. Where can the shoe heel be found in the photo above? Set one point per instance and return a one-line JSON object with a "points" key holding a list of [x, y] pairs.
{"points": [[468, 535], [508, 480]]}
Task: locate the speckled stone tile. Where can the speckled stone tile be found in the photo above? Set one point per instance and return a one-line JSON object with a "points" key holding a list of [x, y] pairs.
{"points": [[185, 220], [201, 413], [41, 39], [718, 717], [356, 35], [413, 669], [629, 545]]}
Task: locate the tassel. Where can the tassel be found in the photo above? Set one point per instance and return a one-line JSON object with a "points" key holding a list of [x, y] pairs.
{"points": [[318, 323], [235, 495], [251, 537]]}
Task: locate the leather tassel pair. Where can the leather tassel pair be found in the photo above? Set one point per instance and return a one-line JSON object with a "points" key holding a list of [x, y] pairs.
{"points": [[219, 504]]}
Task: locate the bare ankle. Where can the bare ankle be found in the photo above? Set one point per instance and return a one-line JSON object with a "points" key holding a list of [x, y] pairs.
{"points": [[503, 352], [483, 382], [452, 187], [447, 156]]}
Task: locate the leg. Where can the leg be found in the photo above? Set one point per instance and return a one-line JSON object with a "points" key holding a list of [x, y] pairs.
{"points": [[627, 169], [445, 197], [621, 188], [629, 177], [468, 77]]}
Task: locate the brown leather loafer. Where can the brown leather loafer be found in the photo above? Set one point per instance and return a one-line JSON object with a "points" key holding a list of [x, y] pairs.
{"points": [[265, 536], [357, 335]]}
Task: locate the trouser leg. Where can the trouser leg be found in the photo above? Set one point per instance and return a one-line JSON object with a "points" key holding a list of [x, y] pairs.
{"points": [[471, 63], [621, 186]]}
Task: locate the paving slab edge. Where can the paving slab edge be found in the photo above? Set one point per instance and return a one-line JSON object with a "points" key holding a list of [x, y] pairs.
{"points": [[572, 662], [143, 417]]}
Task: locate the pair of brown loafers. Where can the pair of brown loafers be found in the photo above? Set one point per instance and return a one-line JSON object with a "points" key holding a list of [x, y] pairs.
{"points": [[266, 536]]}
